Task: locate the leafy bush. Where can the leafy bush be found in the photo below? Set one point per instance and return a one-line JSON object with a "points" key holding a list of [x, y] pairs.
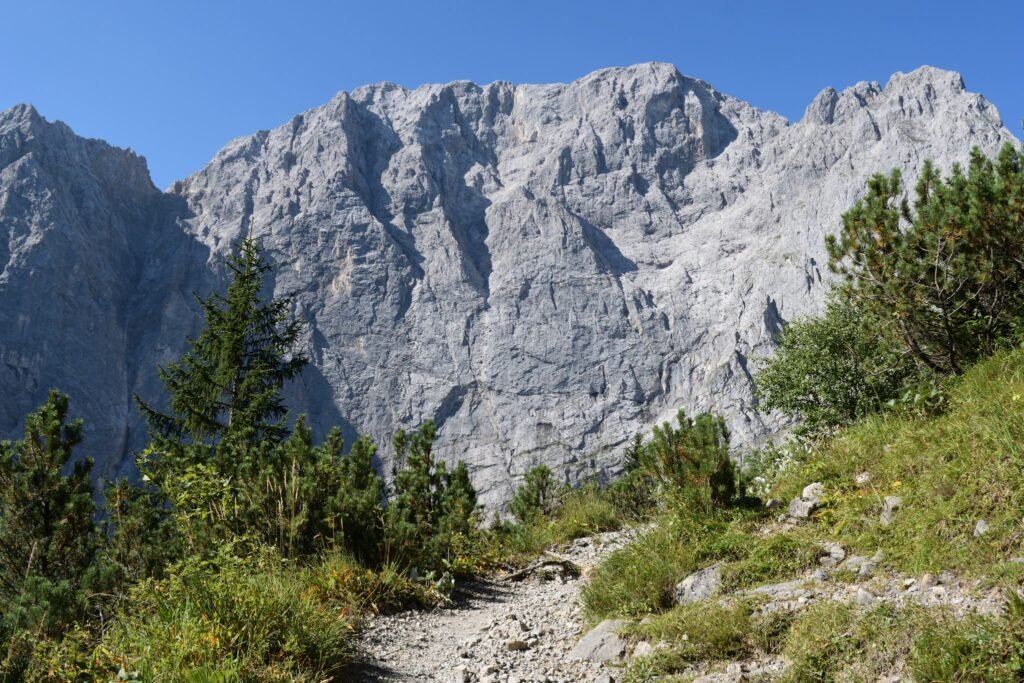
{"points": [[833, 370], [585, 511]]}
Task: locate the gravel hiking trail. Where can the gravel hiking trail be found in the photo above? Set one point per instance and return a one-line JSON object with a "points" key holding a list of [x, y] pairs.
{"points": [[495, 630]]}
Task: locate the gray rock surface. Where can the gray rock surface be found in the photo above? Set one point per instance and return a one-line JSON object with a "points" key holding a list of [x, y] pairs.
{"points": [[801, 508], [602, 644], [809, 500], [542, 269], [699, 585], [890, 504], [814, 492]]}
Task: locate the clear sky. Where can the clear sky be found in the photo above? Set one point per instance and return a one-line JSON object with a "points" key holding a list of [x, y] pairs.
{"points": [[176, 80]]}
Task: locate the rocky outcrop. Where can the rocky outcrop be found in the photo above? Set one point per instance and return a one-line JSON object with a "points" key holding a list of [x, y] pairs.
{"points": [[542, 269], [76, 220]]}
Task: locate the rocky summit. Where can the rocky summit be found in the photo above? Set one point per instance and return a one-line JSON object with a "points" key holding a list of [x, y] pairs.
{"points": [[542, 269]]}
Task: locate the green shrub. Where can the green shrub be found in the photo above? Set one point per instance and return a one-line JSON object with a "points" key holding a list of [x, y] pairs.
{"points": [[693, 460], [431, 507], [537, 495], [833, 370], [633, 495], [50, 570], [943, 278]]}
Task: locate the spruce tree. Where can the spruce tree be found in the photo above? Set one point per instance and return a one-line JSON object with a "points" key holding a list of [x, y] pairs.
{"points": [[225, 392], [217, 452]]}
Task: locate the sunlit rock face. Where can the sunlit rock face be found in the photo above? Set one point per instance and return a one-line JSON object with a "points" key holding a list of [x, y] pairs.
{"points": [[541, 269]]}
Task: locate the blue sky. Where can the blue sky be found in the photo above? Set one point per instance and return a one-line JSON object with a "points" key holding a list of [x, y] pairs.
{"points": [[175, 81]]}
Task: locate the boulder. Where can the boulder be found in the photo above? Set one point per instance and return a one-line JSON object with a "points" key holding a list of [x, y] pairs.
{"points": [[834, 553], [801, 508], [602, 644], [814, 492], [865, 598], [643, 649], [699, 585]]}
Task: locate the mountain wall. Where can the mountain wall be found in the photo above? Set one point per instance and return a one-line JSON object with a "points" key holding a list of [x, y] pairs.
{"points": [[542, 269]]}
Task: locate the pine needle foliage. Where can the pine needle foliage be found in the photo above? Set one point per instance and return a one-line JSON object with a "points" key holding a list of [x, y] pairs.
{"points": [[537, 496], [226, 390], [48, 541], [693, 460], [46, 526], [431, 508], [945, 277]]}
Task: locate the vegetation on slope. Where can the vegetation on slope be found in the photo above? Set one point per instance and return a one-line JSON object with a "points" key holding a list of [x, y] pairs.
{"points": [[895, 406], [249, 552]]}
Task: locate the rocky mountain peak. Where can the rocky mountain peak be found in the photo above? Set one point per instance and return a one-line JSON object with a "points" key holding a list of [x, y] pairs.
{"points": [[940, 82], [542, 269]]}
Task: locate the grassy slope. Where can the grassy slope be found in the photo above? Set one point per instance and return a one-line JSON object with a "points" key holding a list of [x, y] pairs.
{"points": [[950, 471]]}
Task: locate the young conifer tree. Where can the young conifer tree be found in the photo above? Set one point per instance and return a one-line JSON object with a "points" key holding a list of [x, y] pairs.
{"points": [[47, 534], [225, 392]]}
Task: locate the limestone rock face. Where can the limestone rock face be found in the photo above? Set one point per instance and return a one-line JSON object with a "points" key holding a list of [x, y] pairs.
{"points": [[542, 269], [75, 216]]}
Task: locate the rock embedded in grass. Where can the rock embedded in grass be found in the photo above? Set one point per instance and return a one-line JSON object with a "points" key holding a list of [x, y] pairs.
{"points": [[814, 492], [809, 500], [699, 585], [865, 598], [800, 508], [889, 507]]}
